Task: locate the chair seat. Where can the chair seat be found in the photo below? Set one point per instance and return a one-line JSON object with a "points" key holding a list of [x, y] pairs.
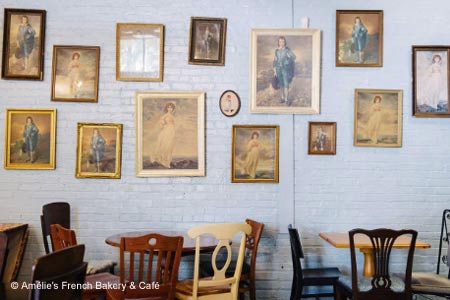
{"points": [[430, 283], [365, 283], [206, 269], [120, 295], [98, 282], [99, 266], [186, 286]]}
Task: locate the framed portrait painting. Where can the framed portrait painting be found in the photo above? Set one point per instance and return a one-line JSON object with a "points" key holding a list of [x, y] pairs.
{"points": [[322, 138], [230, 103], [30, 138], [431, 81], [378, 118], [285, 71], [99, 150], [207, 41], [139, 52], [75, 73], [359, 38], [255, 153], [23, 44], [170, 134]]}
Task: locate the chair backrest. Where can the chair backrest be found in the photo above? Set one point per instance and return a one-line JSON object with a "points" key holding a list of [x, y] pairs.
{"points": [[382, 241], [445, 239], [62, 237], [56, 270], [252, 242], [3, 252], [223, 233], [161, 253], [296, 251], [54, 213]]}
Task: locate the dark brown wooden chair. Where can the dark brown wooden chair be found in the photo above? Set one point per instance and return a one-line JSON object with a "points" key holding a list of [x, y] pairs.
{"points": [[152, 258], [247, 281], [433, 284], [383, 285], [63, 238], [64, 266], [3, 252], [314, 277]]}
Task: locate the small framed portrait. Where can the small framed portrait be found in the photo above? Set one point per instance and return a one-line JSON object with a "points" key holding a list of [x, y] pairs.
{"points": [[75, 73], [431, 81], [30, 138], [359, 38], [23, 44], [378, 118], [170, 134], [322, 138], [139, 52], [207, 41], [255, 153], [285, 71], [99, 150], [230, 103]]}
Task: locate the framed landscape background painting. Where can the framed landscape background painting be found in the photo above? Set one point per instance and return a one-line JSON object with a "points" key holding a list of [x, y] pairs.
{"points": [[99, 150], [255, 153], [170, 134], [30, 138], [359, 38], [285, 71], [431, 81], [23, 44], [378, 118]]}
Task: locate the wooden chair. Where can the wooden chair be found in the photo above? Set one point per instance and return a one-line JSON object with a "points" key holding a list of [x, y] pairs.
{"points": [[56, 268], [162, 255], [308, 277], [247, 282], [63, 238], [219, 286], [383, 285], [3, 252], [433, 284]]}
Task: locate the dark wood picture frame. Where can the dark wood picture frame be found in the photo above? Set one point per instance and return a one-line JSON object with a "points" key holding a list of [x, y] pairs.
{"points": [[322, 142], [428, 82], [18, 61], [207, 39], [229, 103]]}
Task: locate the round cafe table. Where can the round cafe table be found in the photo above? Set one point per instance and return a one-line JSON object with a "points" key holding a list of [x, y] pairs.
{"points": [[207, 243]]}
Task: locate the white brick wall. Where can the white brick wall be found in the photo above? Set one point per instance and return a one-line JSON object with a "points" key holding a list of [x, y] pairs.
{"points": [[370, 187]]}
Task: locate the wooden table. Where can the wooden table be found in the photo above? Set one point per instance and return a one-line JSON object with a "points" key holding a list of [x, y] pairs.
{"points": [[342, 240], [17, 237], [207, 243], [8, 293]]}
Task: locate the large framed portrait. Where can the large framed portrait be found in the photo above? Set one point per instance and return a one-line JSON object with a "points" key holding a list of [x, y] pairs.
{"points": [[170, 134], [359, 38], [255, 153], [285, 71], [139, 52], [30, 138], [431, 81], [23, 44], [207, 41], [378, 118], [75, 73], [99, 150], [322, 138]]}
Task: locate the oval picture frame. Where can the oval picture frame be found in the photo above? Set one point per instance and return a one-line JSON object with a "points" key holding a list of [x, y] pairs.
{"points": [[229, 103]]}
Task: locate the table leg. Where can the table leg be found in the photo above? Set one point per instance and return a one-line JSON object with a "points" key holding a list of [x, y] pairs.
{"points": [[369, 268]]}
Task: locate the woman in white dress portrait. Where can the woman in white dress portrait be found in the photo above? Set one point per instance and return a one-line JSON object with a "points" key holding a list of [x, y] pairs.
{"points": [[166, 138], [374, 123], [434, 82], [253, 149]]}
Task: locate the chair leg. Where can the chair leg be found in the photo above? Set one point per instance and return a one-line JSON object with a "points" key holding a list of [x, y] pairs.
{"points": [[241, 296], [338, 295], [252, 290]]}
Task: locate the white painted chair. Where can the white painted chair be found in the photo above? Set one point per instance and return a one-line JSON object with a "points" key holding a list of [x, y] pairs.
{"points": [[218, 287]]}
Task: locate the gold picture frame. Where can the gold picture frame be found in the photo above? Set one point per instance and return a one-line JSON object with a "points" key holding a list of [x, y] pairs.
{"points": [[23, 44], [207, 39], [30, 139], [139, 52], [170, 134], [359, 38], [255, 154], [99, 150], [378, 118], [322, 138], [75, 73]]}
